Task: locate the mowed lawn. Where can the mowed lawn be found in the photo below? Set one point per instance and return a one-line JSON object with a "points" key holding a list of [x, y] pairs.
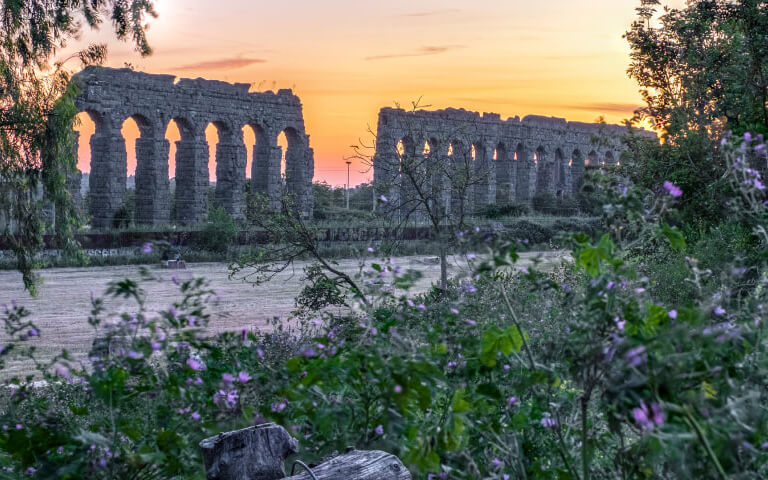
{"points": [[63, 304]]}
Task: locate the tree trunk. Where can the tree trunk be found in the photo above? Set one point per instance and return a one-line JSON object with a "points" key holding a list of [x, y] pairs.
{"points": [[443, 267], [254, 453], [358, 465]]}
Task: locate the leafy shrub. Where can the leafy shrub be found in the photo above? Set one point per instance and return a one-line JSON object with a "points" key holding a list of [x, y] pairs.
{"points": [[505, 210], [219, 232], [582, 372]]}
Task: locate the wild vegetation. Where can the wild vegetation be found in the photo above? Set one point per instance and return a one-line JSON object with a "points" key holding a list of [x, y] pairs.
{"points": [[644, 357]]}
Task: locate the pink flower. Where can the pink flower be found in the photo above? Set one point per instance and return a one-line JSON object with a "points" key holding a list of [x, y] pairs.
{"points": [[673, 314], [648, 419], [672, 189], [548, 422], [194, 364], [398, 389]]}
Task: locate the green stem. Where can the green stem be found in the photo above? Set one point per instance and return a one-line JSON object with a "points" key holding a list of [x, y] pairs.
{"points": [[584, 448], [519, 328], [564, 453], [700, 434]]}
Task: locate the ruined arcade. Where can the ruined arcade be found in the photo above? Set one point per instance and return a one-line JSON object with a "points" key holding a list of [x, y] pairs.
{"points": [[110, 96], [521, 159]]}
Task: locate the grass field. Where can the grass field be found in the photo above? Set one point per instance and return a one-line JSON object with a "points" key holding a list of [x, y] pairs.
{"points": [[63, 304]]}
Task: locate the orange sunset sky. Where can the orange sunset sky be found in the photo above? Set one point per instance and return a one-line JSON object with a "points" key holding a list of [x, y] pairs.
{"points": [[348, 58]]}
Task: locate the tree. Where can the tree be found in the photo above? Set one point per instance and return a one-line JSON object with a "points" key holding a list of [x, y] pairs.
{"points": [[288, 238], [703, 70], [439, 180], [37, 110]]}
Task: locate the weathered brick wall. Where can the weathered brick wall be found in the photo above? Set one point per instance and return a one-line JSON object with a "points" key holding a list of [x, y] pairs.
{"points": [[110, 96]]}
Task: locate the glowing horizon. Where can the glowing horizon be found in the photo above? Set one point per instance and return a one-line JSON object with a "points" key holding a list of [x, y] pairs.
{"points": [[347, 59]]}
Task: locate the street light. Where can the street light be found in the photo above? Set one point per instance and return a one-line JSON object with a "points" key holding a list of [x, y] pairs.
{"points": [[348, 164]]}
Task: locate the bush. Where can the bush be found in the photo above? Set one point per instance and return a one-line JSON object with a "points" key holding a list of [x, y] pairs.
{"points": [[505, 210], [583, 372], [218, 233]]}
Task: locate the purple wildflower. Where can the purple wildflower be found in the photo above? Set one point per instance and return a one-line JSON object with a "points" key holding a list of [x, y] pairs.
{"points": [[379, 430], [672, 189], [147, 247], [227, 377], [194, 364], [648, 419], [548, 422], [398, 389], [672, 314], [636, 356], [243, 377], [619, 323], [195, 416], [512, 400], [719, 310]]}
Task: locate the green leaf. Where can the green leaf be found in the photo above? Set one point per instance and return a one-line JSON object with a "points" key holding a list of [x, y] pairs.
{"points": [[459, 404], [675, 237]]}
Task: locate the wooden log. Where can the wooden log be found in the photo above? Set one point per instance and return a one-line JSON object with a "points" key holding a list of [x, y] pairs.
{"points": [[357, 465], [254, 453]]}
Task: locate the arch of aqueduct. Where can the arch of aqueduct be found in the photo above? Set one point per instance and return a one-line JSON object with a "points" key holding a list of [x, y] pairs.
{"points": [[522, 158], [110, 96]]}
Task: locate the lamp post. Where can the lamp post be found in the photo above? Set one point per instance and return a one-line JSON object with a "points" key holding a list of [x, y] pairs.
{"points": [[348, 164]]}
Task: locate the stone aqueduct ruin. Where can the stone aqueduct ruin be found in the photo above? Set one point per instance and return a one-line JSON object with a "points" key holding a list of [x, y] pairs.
{"points": [[522, 158], [110, 96]]}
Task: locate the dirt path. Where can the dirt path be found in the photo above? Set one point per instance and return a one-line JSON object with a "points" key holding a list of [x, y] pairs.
{"points": [[63, 304]]}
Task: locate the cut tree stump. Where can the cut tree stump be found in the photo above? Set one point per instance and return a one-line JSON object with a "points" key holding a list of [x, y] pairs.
{"points": [[254, 453], [357, 465]]}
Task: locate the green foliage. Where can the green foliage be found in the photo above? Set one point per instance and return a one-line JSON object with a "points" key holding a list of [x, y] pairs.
{"points": [[507, 210], [581, 372], [219, 232], [320, 291], [37, 111], [702, 70]]}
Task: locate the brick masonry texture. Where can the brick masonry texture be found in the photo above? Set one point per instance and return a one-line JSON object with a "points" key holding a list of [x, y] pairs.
{"points": [[110, 96]]}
